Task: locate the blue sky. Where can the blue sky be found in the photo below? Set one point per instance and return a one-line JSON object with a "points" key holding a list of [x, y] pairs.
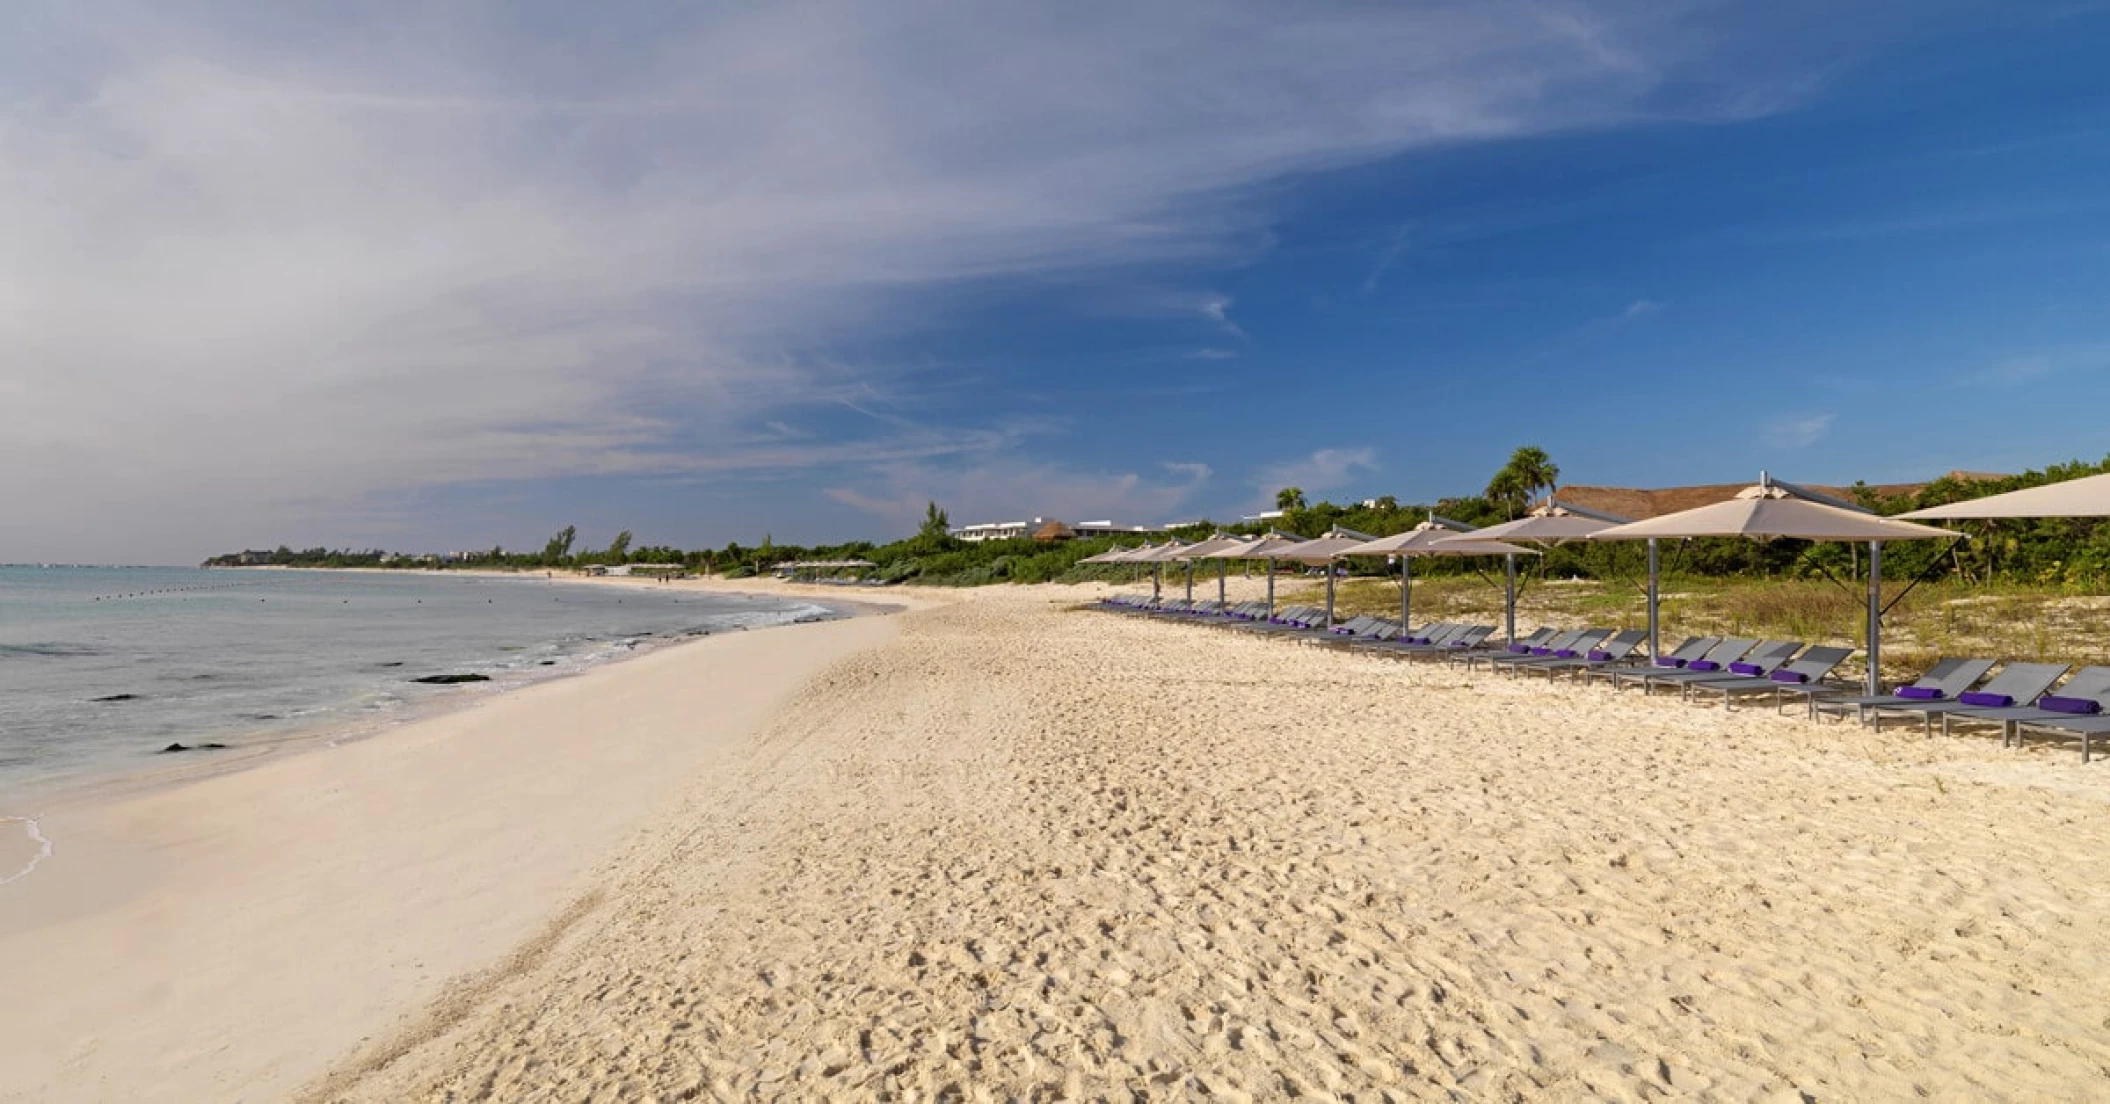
{"points": [[427, 279]]}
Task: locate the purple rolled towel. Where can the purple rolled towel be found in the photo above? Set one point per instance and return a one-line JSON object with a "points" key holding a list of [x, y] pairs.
{"points": [[1988, 701], [1703, 665], [1541, 651], [1422, 640], [1460, 643], [1520, 649], [2058, 704], [1565, 653], [1919, 693], [1746, 669], [1790, 676], [1669, 661], [1600, 656]]}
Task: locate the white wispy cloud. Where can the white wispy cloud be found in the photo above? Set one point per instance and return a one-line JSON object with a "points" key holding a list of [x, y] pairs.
{"points": [[1322, 470], [1796, 431], [1640, 307], [256, 259]]}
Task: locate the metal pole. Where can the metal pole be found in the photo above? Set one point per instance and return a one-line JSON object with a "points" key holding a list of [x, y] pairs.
{"points": [[1655, 636], [1221, 567], [1509, 617], [1329, 594], [1271, 590], [1406, 588], [1190, 582], [1157, 582], [1875, 617]]}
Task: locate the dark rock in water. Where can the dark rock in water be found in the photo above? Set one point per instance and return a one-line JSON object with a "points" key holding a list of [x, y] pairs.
{"points": [[193, 747], [397, 663], [449, 680], [120, 697], [547, 663], [211, 747], [175, 747]]}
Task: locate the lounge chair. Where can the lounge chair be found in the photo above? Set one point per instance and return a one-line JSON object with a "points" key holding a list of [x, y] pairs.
{"points": [[1583, 644], [1485, 646], [1812, 666], [2087, 684], [1695, 647], [2086, 715], [1522, 650], [1376, 630], [1759, 662], [2016, 682], [1945, 679], [1614, 649], [1716, 662], [1438, 635]]}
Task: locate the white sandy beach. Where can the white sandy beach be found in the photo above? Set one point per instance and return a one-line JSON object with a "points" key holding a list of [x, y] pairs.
{"points": [[998, 848]]}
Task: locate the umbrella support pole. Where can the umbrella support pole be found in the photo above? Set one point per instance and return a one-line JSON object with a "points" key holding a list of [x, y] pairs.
{"points": [[1509, 607], [1190, 582], [1157, 583], [1271, 590], [1329, 596], [1221, 567], [1406, 591], [1875, 617], [1655, 634]]}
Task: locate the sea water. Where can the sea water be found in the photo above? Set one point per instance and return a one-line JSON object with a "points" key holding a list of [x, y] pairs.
{"points": [[102, 668]]}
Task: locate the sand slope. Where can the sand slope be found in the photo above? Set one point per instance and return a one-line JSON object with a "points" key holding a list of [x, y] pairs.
{"points": [[226, 938], [1021, 852]]}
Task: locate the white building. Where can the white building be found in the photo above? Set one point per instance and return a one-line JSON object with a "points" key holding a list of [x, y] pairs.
{"points": [[1012, 530]]}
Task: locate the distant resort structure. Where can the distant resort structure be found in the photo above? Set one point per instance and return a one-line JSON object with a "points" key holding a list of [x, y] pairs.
{"points": [[1050, 529]]}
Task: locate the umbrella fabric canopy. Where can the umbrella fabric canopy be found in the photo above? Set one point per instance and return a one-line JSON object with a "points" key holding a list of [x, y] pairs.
{"points": [[2088, 496], [1427, 539], [1157, 557], [1768, 511]]}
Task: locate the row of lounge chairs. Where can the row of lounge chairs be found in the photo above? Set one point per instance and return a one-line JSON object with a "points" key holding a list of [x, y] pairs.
{"points": [[2021, 698]]}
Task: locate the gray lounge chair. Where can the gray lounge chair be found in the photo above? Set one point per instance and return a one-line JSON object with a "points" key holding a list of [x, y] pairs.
{"points": [[1759, 662], [2087, 684], [1715, 663], [1812, 666], [1946, 678], [1695, 647], [1510, 653], [1615, 649], [1583, 644], [2087, 726], [2016, 682]]}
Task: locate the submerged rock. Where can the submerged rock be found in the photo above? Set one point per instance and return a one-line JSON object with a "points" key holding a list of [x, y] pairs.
{"points": [[119, 697], [449, 680], [193, 747]]}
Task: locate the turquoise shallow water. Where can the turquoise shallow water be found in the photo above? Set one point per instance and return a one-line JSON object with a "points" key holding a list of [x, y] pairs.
{"points": [[100, 668]]}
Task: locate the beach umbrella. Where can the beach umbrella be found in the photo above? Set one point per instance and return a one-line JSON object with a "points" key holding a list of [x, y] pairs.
{"points": [[1424, 540], [2088, 496], [1267, 547], [1774, 509], [1202, 549], [1324, 550], [1157, 556], [1552, 523]]}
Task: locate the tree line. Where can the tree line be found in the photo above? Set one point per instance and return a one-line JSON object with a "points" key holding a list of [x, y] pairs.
{"points": [[2072, 552]]}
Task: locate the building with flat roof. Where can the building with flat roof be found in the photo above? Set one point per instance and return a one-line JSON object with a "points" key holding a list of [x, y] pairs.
{"points": [[1012, 530]]}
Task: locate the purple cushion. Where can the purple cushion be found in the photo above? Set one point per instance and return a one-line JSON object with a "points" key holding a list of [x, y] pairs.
{"points": [[1790, 676], [1520, 649], [2058, 704], [1747, 669], [1461, 643], [1600, 657], [1669, 661], [1541, 651], [1989, 701], [1703, 665], [1919, 693], [1421, 640], [1565, 653]]}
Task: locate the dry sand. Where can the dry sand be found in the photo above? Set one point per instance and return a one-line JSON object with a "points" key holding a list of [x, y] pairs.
{"points": [[227, 938], [1024, 852]]}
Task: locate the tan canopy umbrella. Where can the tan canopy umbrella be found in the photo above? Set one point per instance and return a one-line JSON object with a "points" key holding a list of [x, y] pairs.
{"points": [[1157, 556], [1206, 548], [1429, 539], [2088, 496], [1773, 509], [1325, 550], [1552, 523], [1268, 546]]}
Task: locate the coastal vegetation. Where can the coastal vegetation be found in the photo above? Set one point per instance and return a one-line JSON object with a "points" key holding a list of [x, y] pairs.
{"points": [[2051, 554]]}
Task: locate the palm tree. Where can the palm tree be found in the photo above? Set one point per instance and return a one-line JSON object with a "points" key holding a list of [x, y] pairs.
{"points": [[1529, 470], [1289, 498]]}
